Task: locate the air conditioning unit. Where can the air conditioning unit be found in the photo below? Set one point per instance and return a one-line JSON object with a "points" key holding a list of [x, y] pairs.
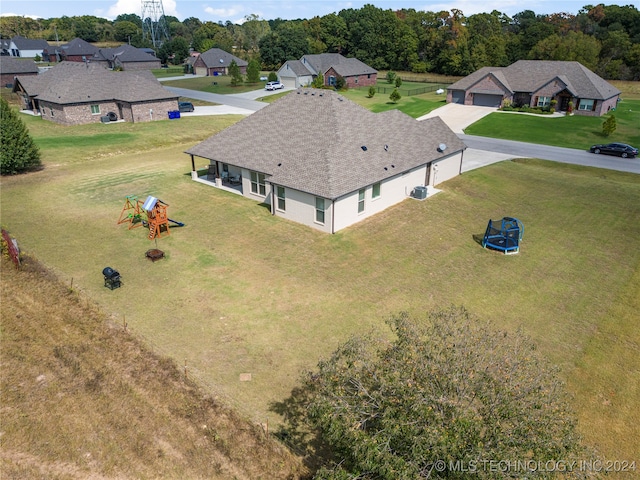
{"points": [[420, 193]]}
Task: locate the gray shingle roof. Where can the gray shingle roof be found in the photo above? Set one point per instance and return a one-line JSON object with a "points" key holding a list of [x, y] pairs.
{"points": [[530, 75], [322, 62], [124, 53], [216, 57], [297, 67], [77, 82], [77, 46], [17, 66], [311, 140], [29, 43]]}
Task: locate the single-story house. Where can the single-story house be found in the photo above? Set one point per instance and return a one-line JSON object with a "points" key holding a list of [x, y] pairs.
{"points": [[350, 165], [23, 47], [11, 67], [216, 62], [300, 73], [537, 83], [126, 57], [77, 50], [73, 93]]}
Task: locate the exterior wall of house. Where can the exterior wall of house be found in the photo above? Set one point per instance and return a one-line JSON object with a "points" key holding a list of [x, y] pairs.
{"points": [[80, 114], [7, 78], [392, 191], [488, 83], [134, 66], [600, 107], [300, 207], [365, 80], [445, 169]]}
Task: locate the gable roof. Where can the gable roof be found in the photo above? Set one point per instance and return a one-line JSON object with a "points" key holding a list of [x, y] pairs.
{"points": [[297, 67], [23, 43], [216, 57], [124, 53], [328, 160], [322, 62], [530, 75], [77, 46], [77, 82], [17, 66]]}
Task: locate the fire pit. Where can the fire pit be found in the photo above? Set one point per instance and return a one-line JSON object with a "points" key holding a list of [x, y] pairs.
{"points": [[154, 254]]}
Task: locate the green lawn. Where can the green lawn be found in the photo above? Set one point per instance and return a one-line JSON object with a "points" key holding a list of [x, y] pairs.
{"points": [[219, 84], [241, 291], [574, 131]]}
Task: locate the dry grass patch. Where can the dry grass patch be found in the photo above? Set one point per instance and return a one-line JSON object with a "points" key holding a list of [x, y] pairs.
{"points": [[82, 398]]}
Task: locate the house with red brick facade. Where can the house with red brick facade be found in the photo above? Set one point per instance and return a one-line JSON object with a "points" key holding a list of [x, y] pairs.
{"points": [[11, 67], [216, 61], [74, 93], [537, 83], [300, 73]]}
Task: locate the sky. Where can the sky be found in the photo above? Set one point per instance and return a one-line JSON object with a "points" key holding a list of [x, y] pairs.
{"points": [[236, 10]]}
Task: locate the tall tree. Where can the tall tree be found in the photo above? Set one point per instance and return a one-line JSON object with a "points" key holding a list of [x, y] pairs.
{"points": [[18, 152], [253, 71], [450, 388], [236, 76], [575, 46]]}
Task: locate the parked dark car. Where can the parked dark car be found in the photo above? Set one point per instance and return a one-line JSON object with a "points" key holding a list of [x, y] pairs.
{"points": [[185, 106], [621, 149]]}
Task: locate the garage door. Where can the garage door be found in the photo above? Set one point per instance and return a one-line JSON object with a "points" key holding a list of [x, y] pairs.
{"points": [[457, 96], [288, 82], [486, 100]]}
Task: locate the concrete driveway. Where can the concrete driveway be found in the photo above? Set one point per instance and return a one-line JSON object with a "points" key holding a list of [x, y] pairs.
{"points": [[458, 117]]}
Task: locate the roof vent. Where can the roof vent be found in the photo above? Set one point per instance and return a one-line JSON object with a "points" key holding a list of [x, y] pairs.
{"points": [[442, 147], [385, 169], [280, 164], [364, 148], [393, 166], [386, 148]]}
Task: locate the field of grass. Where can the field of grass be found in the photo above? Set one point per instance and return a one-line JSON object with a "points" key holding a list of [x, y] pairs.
{"points": [[242, 292], [220, 84], [575, 131]]}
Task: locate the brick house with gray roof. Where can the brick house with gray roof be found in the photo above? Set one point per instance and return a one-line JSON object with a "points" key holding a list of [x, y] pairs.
{"points": [[126, 57], [216, 61], [77, 50], [300, 73], [73, 93], [537, 83], [353, 164], [11, 67]]}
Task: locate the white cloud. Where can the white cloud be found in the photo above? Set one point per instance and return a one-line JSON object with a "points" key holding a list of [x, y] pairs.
{"points": [[135, 6]]}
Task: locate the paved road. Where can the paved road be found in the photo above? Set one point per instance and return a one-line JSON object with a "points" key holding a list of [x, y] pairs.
{"points": [[558, 154]]}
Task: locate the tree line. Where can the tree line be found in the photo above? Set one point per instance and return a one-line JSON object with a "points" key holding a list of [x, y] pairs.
{"points": [[604, 38]]}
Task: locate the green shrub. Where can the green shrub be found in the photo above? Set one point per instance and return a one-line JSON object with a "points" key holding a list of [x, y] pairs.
{"points": [[18, 152]]}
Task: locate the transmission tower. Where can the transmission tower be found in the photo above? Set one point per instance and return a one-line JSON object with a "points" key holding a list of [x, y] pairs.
{"points": [[154, 25]]}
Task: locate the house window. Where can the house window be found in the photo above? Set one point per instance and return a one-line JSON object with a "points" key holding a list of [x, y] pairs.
{"points": [[361, 200], [586, 104], [544, 101], [281, 199], [51, 111], [332, 80], [320, 210], [369, 75], [257, 183], [375, 191], [356, 81], [95, 109]]}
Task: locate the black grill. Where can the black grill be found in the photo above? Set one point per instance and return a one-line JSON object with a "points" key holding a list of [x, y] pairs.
{"points": [[111, 278]]}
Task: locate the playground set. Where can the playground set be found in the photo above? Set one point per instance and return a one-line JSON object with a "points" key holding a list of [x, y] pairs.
{"points": [[152, 213], [504, 235]]}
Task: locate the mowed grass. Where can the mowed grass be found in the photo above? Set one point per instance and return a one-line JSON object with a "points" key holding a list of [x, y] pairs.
{"points": [[241, 291], [575, 131]]}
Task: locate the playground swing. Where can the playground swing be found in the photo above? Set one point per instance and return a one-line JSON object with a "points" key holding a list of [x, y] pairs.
{"points": [[504, 235], [152, 213]]}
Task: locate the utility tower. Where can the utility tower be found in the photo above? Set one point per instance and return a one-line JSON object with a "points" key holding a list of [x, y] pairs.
{"points": [[154, 25]]}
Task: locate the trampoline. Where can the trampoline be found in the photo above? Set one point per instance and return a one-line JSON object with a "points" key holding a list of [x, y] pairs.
{"points": [[504, 235]]}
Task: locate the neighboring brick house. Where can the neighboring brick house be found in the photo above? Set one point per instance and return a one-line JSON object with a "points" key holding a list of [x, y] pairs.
{"points": [[23, 47], [73, 93], [537, 83], [351, 165], [126, 57], [11, 67], [300, 73], [216, 62], [77, 50]]}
